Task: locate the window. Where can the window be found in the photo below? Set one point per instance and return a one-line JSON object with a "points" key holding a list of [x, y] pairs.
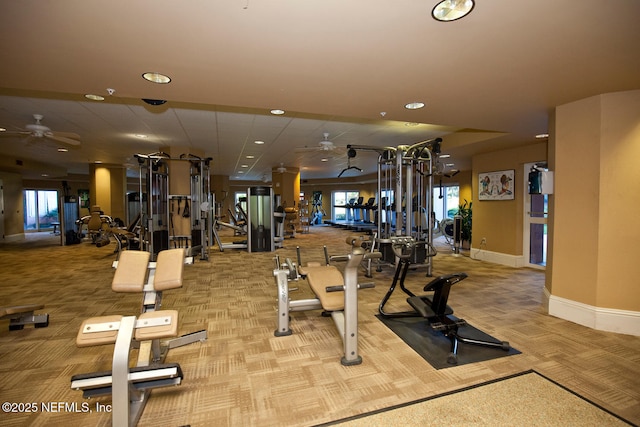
{"points": [[40, 209], [340, 200], [446, 201]]}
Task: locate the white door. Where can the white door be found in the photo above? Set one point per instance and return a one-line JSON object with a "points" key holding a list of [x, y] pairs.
{"points": [[535, 225]]}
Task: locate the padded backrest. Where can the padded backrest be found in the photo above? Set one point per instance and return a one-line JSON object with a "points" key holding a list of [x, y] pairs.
{"points": [[131, 271], [169, 269], [95, 222]]}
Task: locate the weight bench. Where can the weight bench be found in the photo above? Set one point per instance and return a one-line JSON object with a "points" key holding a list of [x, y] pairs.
{"points": [[336, 294], [20, 315], [435, 309], [135, 274], [129, 387]]}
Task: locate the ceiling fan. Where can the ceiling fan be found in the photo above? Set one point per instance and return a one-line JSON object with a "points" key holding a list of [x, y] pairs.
{"points": [[39, 131], [324, 145]]}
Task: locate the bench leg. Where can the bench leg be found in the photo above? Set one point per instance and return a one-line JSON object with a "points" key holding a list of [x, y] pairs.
{"points": [[283, 328], [350, 334]]}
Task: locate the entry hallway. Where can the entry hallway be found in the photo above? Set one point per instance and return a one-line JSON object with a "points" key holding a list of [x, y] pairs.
{"points": [[245, 376]]}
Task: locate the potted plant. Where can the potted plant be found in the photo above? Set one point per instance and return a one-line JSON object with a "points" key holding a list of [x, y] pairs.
{"points": [[465, 212]]}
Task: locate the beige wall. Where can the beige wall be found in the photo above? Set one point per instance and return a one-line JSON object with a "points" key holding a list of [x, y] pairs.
{"points": [[13, 202], [501, 221], [594, 230]]}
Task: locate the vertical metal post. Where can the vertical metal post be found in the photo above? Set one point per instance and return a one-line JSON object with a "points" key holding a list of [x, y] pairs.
{"points": [[399, 193], [120, 373], [350, 338]]}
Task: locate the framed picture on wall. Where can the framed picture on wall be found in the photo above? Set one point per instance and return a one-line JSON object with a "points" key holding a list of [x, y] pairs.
{"points": [[83, 196], [497, 185]]}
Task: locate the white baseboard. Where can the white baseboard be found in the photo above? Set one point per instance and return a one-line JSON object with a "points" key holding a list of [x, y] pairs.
{"points": [[497, 257], [601, 319]]}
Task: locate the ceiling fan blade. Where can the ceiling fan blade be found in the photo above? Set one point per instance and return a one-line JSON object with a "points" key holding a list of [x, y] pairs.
{"points": [[64, 138], [14, 134], [69, 135]]}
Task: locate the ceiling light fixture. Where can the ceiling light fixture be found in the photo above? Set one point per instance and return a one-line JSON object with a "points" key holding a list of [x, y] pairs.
{"points": [[414, 105], [156, 78], [277, 112], [154, 101], [3, 130], [62, 150], [452, 10], [542, 135], [140, 135], [258, 142], [93, 97]]}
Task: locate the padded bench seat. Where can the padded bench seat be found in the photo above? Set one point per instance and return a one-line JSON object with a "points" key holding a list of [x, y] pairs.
{"points": [[21, 315], [19, 309], [319, 278], [151, 325]]}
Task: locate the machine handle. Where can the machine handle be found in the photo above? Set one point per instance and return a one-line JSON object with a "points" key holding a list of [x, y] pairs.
{"points": [[340, 288]]}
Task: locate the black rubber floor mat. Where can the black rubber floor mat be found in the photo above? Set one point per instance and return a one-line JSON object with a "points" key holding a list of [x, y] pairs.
{"points": [[435, 347]]}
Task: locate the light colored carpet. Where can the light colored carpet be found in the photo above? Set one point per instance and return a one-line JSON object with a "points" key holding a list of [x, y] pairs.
{"points": [[526, 399]]}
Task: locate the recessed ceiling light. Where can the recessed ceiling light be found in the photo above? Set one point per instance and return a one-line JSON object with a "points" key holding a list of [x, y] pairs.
{"points": [[251, 157], [3, 130], [156, 78], [324, 160], [414, 105], [258, 142], [45, 174], [277, 112], [542, 135], [449, 164], [140, 135], [93, 97], [452, 10], [444, 156], [240, 171], [244, 166], [62, 150], [97, 162]]}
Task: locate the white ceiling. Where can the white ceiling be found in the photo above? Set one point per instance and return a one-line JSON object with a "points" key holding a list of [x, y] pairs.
{"points": [[489, 80]]}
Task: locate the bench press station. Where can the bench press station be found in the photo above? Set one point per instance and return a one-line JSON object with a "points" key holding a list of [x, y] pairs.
{"points": [[335, 294], [20, 315], [130, 387]]}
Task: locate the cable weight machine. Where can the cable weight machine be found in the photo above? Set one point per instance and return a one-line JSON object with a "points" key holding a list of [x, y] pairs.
{"points": [[405, 188], [165, 216]]}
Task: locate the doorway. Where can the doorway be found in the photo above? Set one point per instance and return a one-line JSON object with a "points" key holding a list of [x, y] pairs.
{"points": [[536, 212], [40, 210]]}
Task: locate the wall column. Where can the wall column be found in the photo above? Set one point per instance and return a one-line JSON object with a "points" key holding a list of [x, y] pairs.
{"points": [[108, 189], [593, 272], [287, 185]]}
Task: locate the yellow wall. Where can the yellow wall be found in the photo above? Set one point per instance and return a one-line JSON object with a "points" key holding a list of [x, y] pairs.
{"points": [[501, 221], [107, 189], [594, 231]]}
